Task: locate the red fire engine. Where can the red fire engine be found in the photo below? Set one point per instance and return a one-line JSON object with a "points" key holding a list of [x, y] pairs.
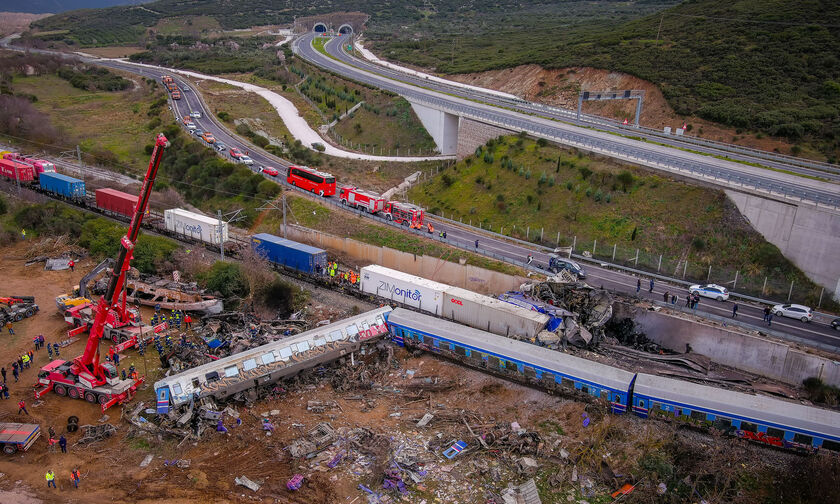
{"points": [[404, 213], [362, 200]]}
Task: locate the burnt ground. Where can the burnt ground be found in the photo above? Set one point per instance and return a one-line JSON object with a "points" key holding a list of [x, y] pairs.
{"points": [[386, 398]]}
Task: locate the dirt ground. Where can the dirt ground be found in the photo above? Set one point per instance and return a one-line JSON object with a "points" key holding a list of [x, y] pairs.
{"points": [[577, 460], [560, 88], [11, 22]]}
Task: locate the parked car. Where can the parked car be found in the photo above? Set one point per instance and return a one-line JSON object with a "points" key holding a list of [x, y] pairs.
{"points": [[235, 153], [835, 324], [714, 291], [220, 147], [269, 171], [795, 311], [208, 137], [246, 160], [195, 114]]}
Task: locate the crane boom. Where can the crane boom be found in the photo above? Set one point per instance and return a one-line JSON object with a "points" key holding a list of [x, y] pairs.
{"points": [[89, 360]]}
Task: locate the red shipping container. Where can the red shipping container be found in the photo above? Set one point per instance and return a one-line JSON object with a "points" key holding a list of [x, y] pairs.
{"points": [[116, 201], [17, 171]]}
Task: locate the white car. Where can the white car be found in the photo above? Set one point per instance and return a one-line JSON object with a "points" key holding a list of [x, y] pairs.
{"points": [[191, 126], [714, 291], [195, 114], [187, 89], [246, 160], [795, 311]]}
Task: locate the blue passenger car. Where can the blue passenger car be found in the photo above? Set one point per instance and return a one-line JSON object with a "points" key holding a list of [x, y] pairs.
{"points": [[516, 359], [62, 185], [288, 253]]}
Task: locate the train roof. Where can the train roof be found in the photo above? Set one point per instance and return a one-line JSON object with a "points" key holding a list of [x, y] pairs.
{"points": [[108, 190], [551, 360], [195, 216], [318, 332], [737, 404], [61, 176], [406, 277], [287, 243], [491, 302]]}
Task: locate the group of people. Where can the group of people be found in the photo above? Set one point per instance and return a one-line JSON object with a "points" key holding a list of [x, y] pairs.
{"points": [[768, 315], [75, 478], [692, 300], [334, 272]]}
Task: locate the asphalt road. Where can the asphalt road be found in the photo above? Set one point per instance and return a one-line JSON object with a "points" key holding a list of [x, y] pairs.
{"points": [[717, 171], [465, 237]]}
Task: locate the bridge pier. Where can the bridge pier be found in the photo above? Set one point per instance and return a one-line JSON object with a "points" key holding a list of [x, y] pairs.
{"points": [[442, 126]]}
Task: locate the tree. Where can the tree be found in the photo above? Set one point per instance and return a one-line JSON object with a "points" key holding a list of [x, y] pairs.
{"points": [[626, 179]]}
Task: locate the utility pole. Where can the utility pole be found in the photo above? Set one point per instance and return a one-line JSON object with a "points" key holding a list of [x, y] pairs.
{"points": [[232, 217]]}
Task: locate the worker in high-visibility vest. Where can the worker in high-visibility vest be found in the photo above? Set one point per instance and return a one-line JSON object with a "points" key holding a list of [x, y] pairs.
{"points": [[50, 477], [353, 278], [431, 228], [332, 271]]}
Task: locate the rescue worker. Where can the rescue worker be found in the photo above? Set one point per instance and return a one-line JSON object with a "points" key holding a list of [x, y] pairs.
{"points": [[332, 272], [49, 350], [187, 322], [50, 477], [431, 228], [62, 443], [25, 358], [154, 320], [72, 265], [75, 477], [353, 278], [346, 277], [124, 376], [22, 407]]}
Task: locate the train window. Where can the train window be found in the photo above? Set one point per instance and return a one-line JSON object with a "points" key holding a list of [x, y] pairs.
{"points": [[195, 383], [379, 320], [231, 371], [428, 341], [268, 358], [831, 445], [285, 353], [777, 433], [249, 364], [585, 389], [460, 350], [303, 346], [567, 382], [656, 406], [319, 342], [212, 376], [749, 427], [336, 336], [511, 366], [176, 387], [642, 403], [723, 423], [605, 395], [352, 331], [802, 438], [364, 325], [698, 415], [493, 361], [530, 372]]}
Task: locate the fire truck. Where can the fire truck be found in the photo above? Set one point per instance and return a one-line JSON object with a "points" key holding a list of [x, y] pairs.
{"points": [[363, 200], [85, 377], [403, 213]]}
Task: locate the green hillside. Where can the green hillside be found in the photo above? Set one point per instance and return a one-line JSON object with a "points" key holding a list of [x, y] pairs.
{"points": [[764, 65]]}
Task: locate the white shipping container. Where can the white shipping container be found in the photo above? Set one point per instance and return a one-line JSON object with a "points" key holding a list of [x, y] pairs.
{"points": [[410, 290], [491, 314], [197, 226]]}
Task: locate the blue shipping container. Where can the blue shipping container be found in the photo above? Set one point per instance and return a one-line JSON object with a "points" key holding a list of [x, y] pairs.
{"points": [[289, 253], [62, 185]]}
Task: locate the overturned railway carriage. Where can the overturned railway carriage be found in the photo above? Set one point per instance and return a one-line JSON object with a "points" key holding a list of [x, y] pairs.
{"points": [[511, 358], [757, 418], [269, 363]]}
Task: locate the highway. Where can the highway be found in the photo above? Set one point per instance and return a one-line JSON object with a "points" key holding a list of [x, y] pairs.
{"points": [[816, 333], [720, 172]]}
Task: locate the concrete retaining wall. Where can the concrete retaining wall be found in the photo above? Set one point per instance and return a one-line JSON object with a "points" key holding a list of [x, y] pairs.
{"points": [[471, 134], [460, 275], [742, 351]]}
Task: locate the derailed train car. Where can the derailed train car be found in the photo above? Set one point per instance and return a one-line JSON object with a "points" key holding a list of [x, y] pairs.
{"points": [[756, 418], [269, 363]]}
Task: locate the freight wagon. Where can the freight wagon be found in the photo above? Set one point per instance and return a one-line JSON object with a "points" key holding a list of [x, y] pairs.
{"points": [[409, 290], [62, 186], [196, 226], [15, 170], [492, 315], [40, 165], [18, 437], [116, 202], [288, 253]]}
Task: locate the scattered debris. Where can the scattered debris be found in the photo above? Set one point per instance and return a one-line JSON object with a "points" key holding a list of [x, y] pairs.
{"points": [[425, 420], [94, 433], [247, 483], [147, 460]]}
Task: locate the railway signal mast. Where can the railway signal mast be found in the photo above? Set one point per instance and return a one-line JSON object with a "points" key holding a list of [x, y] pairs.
{"points": [[86, 377]]}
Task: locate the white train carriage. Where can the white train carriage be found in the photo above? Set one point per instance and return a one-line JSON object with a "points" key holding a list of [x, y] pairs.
{"points": [[515, 359], [271, 362], [757, 418]]}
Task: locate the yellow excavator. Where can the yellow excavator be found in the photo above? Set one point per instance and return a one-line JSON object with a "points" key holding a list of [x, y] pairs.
{"points": [[80, 292]]}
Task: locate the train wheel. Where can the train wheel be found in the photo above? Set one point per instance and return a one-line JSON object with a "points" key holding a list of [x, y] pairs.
{"points": [[60, 390], [9, 449], [90, 397], [73, 393]]}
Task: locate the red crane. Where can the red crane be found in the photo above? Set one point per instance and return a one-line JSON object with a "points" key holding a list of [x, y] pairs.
{"points": [[85, 377]]}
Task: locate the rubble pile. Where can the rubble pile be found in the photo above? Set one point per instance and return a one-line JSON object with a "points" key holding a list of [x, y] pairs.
{"points": [[229, 333]]}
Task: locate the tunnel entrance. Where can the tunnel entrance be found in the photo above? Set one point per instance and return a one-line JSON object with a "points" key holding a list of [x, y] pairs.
{"points": [[345, 29], [320, 28]]}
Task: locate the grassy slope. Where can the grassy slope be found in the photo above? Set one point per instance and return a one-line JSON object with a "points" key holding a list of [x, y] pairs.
{"points": [[103, 121], [671, 218], [767, 65]]}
